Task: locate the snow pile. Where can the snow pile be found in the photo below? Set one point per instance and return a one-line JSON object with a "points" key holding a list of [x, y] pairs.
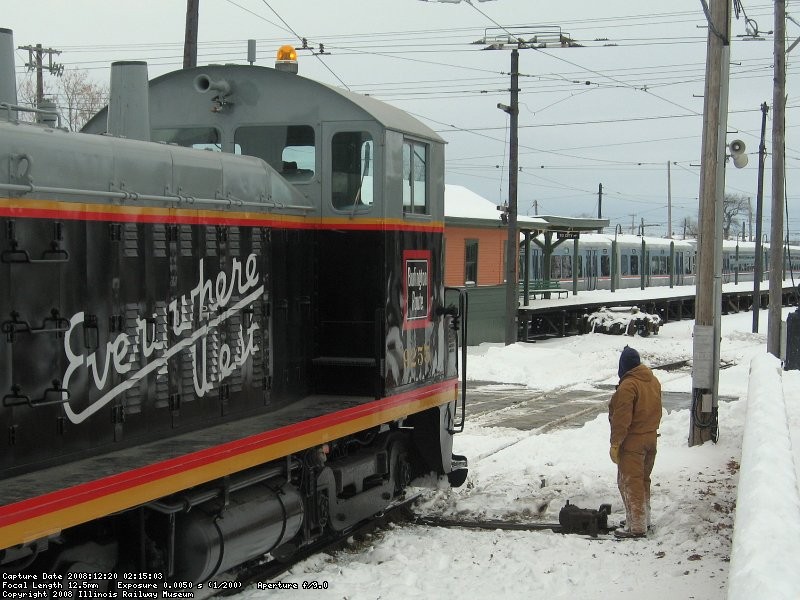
{"points": [[617, 320], [768, 501]]}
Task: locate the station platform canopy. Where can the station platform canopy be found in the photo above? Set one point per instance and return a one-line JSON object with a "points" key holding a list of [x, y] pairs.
{"points": [[551, 223], [466, 208], [555, 231]]}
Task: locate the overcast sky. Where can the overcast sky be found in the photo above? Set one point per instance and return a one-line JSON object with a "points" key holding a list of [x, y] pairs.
{"points": [[613, 111]]}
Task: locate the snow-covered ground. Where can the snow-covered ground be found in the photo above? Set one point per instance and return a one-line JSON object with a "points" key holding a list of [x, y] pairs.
{"points": [[634, 293], [529, 475], [766, 540]]}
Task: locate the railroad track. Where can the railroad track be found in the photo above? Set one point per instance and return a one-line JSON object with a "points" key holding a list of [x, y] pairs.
{"points": [[402, 512], [492, 404], [254, 573]]}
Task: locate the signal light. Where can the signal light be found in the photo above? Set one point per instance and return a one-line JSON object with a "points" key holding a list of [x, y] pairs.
{"points": [[286, 59]]}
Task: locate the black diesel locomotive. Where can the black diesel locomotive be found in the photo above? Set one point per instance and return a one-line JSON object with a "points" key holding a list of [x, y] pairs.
{"points": [[224, 325]]}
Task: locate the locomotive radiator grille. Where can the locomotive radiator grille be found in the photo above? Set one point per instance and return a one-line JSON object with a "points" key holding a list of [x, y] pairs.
{"points": [[235, 325], [234, 242], [130, 240], [255, 240], [160, 240], [161, 399], [185, 240], [133, 396], [211, 241], [212, 346]]}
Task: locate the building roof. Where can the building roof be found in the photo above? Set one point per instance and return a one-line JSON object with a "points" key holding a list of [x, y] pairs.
{"points": [[462, 204], [556, 223], [465, 207]]}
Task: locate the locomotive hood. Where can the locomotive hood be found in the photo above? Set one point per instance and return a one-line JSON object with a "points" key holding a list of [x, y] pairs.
{"points": [[141, 171]]}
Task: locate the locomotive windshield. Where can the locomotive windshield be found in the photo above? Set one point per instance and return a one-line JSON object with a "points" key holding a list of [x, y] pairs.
{"points": [[289, 149], [201, 138], [415, 179], [352, 156]]}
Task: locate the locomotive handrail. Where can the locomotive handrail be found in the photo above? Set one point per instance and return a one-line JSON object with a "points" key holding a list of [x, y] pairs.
{"points": [[175, 198], [22, 256], [463, 305], [16, 325], [8, 108], [15, 398]]}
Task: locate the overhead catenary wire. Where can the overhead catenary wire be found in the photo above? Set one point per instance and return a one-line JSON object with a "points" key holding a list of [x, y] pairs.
{"points": [[550, 88], [316, 55]]}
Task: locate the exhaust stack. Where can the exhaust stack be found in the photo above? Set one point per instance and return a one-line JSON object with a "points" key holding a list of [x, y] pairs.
{"points": [[129, 100], [8, 79]]}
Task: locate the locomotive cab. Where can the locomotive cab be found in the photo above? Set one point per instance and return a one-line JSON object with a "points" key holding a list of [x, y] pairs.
{"points": [[374, 179], [240, 313]]}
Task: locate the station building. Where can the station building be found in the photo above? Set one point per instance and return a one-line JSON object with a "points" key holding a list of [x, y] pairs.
{"points": [[475, 254]]}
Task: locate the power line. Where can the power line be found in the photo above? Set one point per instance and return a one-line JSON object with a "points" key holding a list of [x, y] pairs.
{"points": [[316, 55], [608, 121]]}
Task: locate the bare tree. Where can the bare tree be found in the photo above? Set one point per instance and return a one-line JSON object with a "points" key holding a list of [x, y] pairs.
{"points": [[77, 97], [690, 227], [80, 98], [26, 96], [732, 206]]}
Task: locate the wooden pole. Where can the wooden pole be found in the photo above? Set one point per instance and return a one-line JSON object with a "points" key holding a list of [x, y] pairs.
{"points": [[705, 373], [776, 215], [512, 293], [190, 41], [758, 268]]}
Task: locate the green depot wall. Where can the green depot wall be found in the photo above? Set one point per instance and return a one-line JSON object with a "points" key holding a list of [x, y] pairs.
{"points": [[486, 314]]}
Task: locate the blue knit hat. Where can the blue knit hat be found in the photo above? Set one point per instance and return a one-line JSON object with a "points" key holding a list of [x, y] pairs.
{"points": [[628, 360]]}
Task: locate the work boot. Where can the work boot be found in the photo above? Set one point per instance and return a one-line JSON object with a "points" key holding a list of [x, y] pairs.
{"points": [[627, 534]]}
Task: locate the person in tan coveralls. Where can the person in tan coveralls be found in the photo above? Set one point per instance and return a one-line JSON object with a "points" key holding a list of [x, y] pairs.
{"points": [[635, 414]]}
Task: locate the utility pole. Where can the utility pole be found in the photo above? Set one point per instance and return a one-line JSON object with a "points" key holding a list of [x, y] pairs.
{"points": [[705, 374], [776, 216], [35, 62], [190, 41], [512, 294], [600, 204], [758, 270], [669, 202], [499, 38]]}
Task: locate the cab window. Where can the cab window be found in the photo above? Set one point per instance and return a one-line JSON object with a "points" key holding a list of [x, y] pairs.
{"points": [[352, 168], [289, 149], [415, 177], [200, 138]]}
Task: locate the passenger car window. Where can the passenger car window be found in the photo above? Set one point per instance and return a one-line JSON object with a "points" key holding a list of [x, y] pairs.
{"points": [[352, 168]]}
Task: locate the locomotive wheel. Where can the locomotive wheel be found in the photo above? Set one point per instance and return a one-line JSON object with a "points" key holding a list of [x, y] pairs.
{"points": [[323, 510], [402, 472]]}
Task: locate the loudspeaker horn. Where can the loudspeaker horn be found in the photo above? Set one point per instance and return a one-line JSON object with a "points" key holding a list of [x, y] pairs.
{"points": [[737, 148]]}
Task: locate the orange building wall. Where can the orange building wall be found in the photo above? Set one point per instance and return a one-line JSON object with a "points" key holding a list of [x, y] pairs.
{"points": [[490, 254]]}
